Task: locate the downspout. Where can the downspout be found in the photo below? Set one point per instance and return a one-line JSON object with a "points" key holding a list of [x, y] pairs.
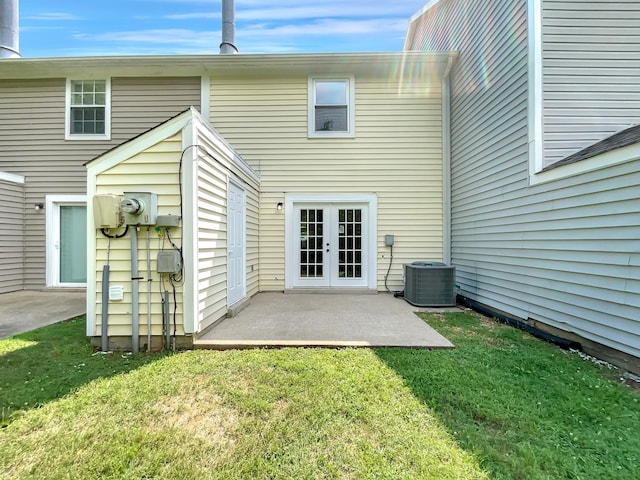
{"points": [[135, 307], [446, 163], [228, 28]]}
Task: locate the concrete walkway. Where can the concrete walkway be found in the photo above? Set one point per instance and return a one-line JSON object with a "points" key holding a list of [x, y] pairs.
{"points": [[338, 320], [30, 309]]}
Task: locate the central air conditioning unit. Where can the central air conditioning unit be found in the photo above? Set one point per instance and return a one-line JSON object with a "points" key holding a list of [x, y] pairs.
{"points": [[429, 284]]}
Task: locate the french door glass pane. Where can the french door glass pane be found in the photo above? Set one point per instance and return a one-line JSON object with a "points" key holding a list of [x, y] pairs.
{"points": [[311, 238], [73, 244], [350, 243]]}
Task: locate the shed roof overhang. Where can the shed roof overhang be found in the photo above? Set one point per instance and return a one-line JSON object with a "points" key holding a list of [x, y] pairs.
{"points": [[402, 64]]}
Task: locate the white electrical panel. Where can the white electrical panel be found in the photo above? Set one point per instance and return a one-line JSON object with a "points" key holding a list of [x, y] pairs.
{"points": [[140, 208], [168, 221], [169, 261], [106, 211]]}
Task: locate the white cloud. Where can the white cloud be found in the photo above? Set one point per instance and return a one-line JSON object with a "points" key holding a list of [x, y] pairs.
{"points": [[53, 16]]}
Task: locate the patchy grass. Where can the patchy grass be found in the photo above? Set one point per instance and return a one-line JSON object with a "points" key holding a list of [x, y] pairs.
{"points": [[525, 408], [500, 405]]}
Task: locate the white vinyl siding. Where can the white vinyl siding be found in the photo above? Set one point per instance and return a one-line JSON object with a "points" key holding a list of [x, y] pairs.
{"points": [[564, 253], [12, 238], [397, 155], [32, 141], [153, 170], [215, 168], [591, 73]]}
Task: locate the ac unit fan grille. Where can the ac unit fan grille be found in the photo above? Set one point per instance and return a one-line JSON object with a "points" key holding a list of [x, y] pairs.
{"points": [[429, 286]]}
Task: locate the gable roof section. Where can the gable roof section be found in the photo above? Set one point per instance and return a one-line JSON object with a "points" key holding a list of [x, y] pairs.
{"points": [[624, 138], [160, 132]]}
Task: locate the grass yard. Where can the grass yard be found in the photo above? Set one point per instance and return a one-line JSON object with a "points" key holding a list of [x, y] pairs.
{"points": [[500, 405]]}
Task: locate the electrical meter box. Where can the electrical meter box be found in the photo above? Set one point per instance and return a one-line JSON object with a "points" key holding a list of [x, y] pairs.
{"points": [[106, 211], [140, 208], [169, 261]]}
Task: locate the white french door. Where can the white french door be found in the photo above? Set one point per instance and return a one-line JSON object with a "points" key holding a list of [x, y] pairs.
{"points": [[331, 244]]}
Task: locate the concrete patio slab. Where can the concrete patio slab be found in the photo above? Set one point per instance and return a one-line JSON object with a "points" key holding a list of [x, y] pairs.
{"points": [[324, 320], [30, 309]]}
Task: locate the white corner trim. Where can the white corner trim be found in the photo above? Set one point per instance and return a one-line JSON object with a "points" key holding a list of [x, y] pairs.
{"points": [[91, 259], [191, 315], [535, 118], [11, 177], [446, 170]]}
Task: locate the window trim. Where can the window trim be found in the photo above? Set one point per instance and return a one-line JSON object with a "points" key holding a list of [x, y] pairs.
{"points": [[311, 107], [107, 113]]}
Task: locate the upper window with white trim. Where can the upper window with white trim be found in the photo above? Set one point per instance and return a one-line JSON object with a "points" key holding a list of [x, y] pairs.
{"points": [[88, 109], [331, 107]]}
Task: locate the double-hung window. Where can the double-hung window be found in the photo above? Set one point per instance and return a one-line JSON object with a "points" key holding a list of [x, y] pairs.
{"points": [[88, 109], [331, 107]]}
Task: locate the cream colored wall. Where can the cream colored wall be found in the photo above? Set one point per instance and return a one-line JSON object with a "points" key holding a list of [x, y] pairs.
{"points": [[154, 170], [396, 154]]}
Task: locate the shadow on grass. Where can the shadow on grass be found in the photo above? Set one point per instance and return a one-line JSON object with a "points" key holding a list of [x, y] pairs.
{"points": [[525, 408], [46, 364]]}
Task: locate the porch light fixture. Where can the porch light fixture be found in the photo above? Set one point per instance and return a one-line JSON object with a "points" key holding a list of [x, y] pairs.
{"points": [[279, 206], [39, 206]]}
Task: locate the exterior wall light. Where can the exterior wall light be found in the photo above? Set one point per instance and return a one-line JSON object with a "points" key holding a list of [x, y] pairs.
{"points": [[39, 206], [279, 206]]}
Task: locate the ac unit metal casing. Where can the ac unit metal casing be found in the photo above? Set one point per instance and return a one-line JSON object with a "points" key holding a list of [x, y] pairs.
{"points": [[429, 284]]}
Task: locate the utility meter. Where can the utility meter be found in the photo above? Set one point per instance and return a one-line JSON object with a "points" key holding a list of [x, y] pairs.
{"points": [[139, 208]]}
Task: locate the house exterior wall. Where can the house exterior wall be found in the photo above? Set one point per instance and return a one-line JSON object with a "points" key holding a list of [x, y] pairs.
{"points": [[153, 170], [591, 73], [32, 141], [12, 238], [215, 169], [190, 167], [563, 253], [396, 154]]}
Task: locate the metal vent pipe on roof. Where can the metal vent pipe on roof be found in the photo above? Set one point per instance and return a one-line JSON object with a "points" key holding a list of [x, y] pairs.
{"points": [[228, 28], [9, 38]]}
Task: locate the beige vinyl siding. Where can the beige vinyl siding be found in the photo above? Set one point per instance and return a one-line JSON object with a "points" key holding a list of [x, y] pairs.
{"points": [[396, 154], [12, 237], [153, 170], [32, 142], [215, 169], [591, 72], [564, 253]]}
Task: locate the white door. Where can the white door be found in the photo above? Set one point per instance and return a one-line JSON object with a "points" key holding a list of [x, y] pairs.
{"points": [[236, 272], [66, 241], [331, 245]]}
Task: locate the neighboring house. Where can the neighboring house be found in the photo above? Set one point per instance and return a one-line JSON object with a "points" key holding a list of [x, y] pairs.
{"points": [[325, 154], [545, 171]]}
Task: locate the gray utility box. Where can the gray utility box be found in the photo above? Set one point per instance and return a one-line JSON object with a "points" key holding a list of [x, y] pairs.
{"points": [[429, 284]]}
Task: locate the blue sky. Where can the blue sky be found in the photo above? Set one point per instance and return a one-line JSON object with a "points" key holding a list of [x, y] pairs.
{"points": [[149, 27]]}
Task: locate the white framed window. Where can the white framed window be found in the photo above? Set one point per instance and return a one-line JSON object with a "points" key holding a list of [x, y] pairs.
{"points": [[331, 107], [88, 110]]}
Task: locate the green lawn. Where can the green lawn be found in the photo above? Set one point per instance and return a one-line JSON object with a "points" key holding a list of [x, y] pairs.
{"points": [[500, 405]]}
